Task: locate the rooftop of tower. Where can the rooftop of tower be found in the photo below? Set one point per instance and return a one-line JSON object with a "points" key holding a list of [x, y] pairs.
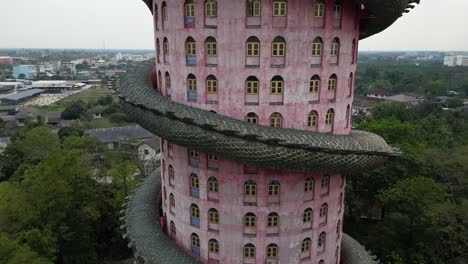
{"points": [[379, 14]]}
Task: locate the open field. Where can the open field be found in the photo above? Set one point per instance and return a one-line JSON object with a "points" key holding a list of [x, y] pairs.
{"points": [[91, 94]]}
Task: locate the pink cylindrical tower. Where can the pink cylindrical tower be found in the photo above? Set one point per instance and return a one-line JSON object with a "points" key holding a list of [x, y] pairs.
{"points": [[287, 64]]}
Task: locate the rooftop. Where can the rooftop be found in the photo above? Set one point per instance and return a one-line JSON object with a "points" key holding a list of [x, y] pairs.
{"points": [[23, 95], [118, 134]]}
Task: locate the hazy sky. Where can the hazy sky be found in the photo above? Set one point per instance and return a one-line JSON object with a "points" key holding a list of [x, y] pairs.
{"points": [[433, 25]]}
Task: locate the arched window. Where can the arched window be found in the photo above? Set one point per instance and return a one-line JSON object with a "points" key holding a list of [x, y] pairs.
{"points": [[190, 51], [335, 47], [171, 202], [249, 251], [278, 47], [195, 239], [213, 185], [211, 84], [167, 81], [338, 229], [211, 8], [324, 211], [317, 45], [158, 50], [332, 82], [165, 49], [337, 255], [171, 174], [273, 219], [211, 47], [189, 9], [353, 52], [191, 87], [274, 188], [194, 215], [325, 182], [164, 194], [314, 84], [160, 80], [309, 184], [305, 246], [321, 262], [319, 8], [251, 85], [277, 85], [250, 220], [173, 228], [280, 7], [330, 117], [250, 188], [348, 117], [251, 118], [253, 47], [164, 11], [272, 251], [312, 119], [307, 216], [156, 18], [213, 216], [276, 120], [322, 241], [213, 246], [194, 185], [351, 84]]}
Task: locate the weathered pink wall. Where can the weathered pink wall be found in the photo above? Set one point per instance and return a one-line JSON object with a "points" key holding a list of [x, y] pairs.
{"points": [[299, 29]]}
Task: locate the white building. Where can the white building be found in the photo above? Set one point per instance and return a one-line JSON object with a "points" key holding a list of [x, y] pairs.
{"points": [[457, 60]]}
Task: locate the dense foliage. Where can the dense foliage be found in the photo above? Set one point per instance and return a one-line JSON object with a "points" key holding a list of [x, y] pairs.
{"points": [[423, 195], [56, 202]]}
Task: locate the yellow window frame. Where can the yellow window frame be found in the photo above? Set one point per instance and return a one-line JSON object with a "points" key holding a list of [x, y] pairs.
{"points": [[273, 189], [272, 252], [214, 217], [195, 212], [191, 48], [213, 186], [317, 49], [278, 49], [250, 189], [332, 84], [314, 86], [277, 87], [279, 8], [250, 221], [249, 252], [211, 49], [272, 221], [190, 11], [253, 49], [319, 9], [211, 8], [312, 120], [195, 241], [214, 247], [252, 87], [212, 86]]}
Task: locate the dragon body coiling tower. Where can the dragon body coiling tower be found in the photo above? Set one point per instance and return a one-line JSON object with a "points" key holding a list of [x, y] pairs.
{"points": [[252, 100]]}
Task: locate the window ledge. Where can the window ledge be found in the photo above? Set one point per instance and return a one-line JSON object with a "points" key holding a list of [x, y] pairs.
{"points": [[272, 234], [314, 102], [324, 195], [253, 66], [211, 102], [277, 65], [211, 26], [305, 259], [276, 103], [172, 213], [211, 65], [323, 224], [273, 204], [212, 168], [251, 103], [316, 65], [253, 26], [191, 65], [250, 204], [307, 229], [211, 230], [250, 235]]}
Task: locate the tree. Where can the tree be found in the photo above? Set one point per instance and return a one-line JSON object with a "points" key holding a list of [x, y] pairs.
{"points": [[74, 110], [12, 252], [70, 131], [122, 179]]}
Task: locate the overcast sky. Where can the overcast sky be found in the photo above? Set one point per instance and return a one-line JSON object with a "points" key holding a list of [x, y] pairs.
{"points": [[122, 24]]}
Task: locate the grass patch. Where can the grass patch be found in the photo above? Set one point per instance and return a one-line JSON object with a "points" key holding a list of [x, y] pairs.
{"points": [[105, 123], [91, 94]]}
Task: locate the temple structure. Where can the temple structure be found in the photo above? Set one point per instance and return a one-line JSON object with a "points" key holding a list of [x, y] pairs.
{"points": [[252, 100]]}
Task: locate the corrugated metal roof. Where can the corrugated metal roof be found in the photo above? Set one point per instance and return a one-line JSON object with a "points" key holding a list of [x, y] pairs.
{"points": [[22, 95]]}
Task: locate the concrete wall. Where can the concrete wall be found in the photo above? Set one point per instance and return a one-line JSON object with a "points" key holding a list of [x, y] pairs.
{"points": [[230, 29]]}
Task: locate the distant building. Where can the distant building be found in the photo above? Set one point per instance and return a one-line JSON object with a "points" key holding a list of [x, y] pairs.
{"points": [[22, 96], [404, 98], [30, 71], [457, 60], [12, 85], [7, 60], [377, 93], [113, 136], [4, 142]]}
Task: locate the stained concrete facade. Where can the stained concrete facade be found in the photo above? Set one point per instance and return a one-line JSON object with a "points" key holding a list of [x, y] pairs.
{"points": [[231, 29]]}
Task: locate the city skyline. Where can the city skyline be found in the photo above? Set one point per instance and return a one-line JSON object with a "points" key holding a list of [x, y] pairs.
{"points": [[63, 26]]}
